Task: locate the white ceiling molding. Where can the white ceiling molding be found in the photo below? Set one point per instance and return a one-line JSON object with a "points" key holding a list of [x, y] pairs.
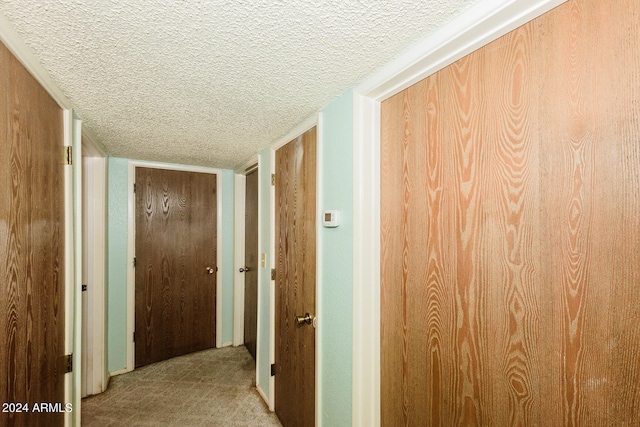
{"points": [[13, 42], [295, 132], [248, 166], [92, 147], [19, 49], [476, 27]]}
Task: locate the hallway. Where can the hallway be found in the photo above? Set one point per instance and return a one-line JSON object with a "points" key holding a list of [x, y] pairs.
{"points": [[207, 388]]}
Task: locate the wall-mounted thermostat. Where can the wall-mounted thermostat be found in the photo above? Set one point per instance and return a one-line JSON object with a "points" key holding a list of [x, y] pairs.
{"points": [[330, 219]]}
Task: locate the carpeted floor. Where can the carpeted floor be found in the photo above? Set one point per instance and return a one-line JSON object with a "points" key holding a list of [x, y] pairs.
{"points": [[208, 388]]}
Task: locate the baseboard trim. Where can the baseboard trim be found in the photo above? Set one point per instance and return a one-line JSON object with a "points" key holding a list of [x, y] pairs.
{"points": [[119, 372]]}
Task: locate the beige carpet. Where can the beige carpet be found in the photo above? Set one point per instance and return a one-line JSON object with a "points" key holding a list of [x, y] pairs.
{"points": [[208, 388]]}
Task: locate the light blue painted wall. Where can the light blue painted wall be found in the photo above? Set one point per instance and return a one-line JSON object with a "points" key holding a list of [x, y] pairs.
{"points": [[117, 264], [335, 249], [117, 235], [264, 278]]}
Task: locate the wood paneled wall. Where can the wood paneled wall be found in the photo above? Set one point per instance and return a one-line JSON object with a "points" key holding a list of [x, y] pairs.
{"points": [[31, 247], [511, 230]]}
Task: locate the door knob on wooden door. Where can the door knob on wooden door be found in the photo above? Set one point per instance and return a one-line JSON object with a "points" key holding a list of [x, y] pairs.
{"points": [[212, 270], [307, 318], [243, 269]]}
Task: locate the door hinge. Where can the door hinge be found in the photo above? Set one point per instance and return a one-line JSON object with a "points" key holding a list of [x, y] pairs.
{"points": [[134, 336], [273, 369], [68, 155], [273, 179], [68, 363], [134, 187], [134, 262], [273, 274], [84, 288]]}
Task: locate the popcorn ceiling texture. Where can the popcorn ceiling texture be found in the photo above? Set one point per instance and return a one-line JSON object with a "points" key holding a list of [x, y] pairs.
{"points": [[212, 82]]}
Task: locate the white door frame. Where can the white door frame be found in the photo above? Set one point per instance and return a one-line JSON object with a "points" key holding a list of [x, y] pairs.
{"points": [[478, 26], [240, 190], [76, 144], [71, 392], [95, 376], [131, 249]]}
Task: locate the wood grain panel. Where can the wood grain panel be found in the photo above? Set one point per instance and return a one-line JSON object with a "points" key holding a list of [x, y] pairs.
{"points": [[567, 211], [392, 299], [468, 153], [251, 262], [295, 280], [509, 220], [595, 134], [175, 243], [512, 230], [31, 246]]}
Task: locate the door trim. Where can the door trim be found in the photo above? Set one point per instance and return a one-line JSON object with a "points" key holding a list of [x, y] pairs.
{"points": [[319, 265], [70, 418], [240, 188], [131, 245], [479, 25], [76, 375], [72, 127], [96, 207]]}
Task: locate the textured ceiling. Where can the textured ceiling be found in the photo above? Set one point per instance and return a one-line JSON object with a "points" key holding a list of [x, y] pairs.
{"points": [[212, 82]]}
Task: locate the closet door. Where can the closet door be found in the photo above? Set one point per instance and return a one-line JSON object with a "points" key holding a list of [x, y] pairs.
{"points": [[32, 248], [251, 264], [175, 263], [295, 292]]}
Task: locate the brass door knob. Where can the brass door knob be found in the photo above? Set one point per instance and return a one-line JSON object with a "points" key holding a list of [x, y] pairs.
{"points": [[307, 318], [243, 269], [211, 270]]}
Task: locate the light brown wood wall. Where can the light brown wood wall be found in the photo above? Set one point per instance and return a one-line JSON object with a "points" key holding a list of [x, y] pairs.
{"points": [[511, 230]]}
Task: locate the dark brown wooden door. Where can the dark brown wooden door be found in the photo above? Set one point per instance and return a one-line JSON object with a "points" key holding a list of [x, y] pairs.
{"points": [[510, 230], [251, 263], [32, 255], [175, 263], [295, 280]]}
